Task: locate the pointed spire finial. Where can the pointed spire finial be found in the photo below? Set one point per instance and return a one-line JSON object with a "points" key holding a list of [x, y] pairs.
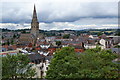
{"points": [[34, 14], [34, 7]]}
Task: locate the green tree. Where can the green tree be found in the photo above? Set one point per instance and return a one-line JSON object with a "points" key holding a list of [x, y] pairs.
{"points": [[16, 66], [14, 36], [97, 63], [58, 43], [99, 33], [117, 46], [24, 31], [2, 37], [8, 43], [93, 63], [66, 36], [63, 64], [12, 41], [117, 33], [3, 44]]}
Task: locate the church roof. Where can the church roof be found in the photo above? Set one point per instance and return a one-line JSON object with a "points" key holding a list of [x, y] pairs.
{"points": [[26, 36]]}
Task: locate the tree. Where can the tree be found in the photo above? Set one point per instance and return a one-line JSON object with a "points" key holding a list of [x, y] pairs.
{"points": [[97, 63], [12, 41], [58, 43], [117, 32], [93, 63], [8, 43], [66, 36], [2, 37], [24, 31], [16, 66], [61, 65], [14, 36], [117, 46], [99, 33]]}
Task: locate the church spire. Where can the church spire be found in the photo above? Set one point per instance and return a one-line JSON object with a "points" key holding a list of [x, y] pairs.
{"points": [[34, 24], [34, 19]]}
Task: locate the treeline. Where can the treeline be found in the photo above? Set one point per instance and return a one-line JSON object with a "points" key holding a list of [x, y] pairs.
{"points": [[76, 32], [92, 64], [66, 64], [85, 30]]}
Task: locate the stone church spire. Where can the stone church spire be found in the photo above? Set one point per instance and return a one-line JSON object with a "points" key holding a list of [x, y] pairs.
{"points": [[34, 19], [34, 24]]}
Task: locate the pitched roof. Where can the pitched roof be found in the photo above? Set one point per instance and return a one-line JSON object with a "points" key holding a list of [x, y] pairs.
{"points": [[48, 58], [35, 56]]}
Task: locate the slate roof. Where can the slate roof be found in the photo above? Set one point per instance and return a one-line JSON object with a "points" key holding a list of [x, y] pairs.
{"points": [[77, 47], [35, 56], [115, 50], [48, 58]]}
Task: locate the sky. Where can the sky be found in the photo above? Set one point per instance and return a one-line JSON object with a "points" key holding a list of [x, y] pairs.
{"points": [[60, 14]]}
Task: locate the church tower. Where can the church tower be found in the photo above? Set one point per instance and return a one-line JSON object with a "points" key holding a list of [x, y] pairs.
{"points": [[34, 24]]}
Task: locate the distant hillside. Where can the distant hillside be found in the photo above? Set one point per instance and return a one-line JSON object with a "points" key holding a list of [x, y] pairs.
{"points": [[76, 32]]}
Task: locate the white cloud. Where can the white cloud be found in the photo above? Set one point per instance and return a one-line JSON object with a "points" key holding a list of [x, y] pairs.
{"points": [[60, 11], [62, 14], [14, 26], [58, 26], [60, 0]]}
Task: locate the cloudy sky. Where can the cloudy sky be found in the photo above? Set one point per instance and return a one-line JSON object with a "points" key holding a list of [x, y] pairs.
{"points": [[60, 14]]}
